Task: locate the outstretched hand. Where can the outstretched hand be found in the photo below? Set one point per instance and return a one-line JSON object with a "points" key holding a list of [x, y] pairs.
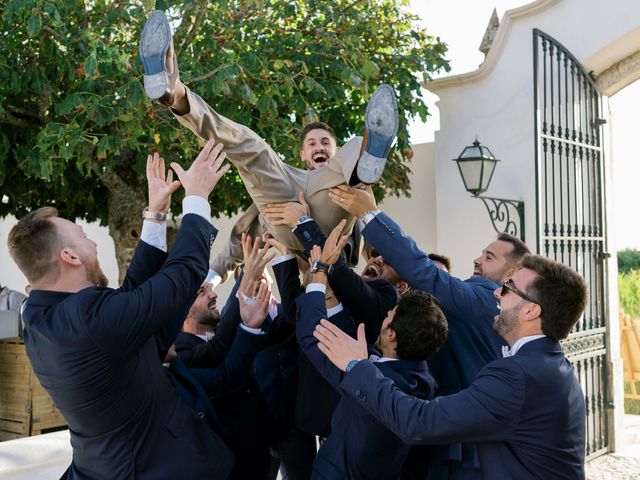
{"points": [[255, 260], [268, 237], [356, 201], [339, 347], [333, 245], [254, 311], [205, 171], [287, 213], [160, 184]]}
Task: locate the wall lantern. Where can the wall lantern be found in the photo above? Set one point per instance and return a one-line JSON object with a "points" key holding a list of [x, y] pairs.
{"points": [[477, 164]]}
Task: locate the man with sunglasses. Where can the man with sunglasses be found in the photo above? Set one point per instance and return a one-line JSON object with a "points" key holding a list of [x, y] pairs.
{"points": [[468, 304], [525, 412]]}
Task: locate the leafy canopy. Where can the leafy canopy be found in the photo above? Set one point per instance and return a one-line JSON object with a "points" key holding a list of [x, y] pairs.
{"points": [[76, 124]]}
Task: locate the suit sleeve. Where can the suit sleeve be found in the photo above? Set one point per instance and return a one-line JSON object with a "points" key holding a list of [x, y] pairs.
{"points": [[146, 262], [288, 281], [366, 304], [484, 412], [414, 266], [311, 310], [120, 322], [283, 327], [235, 370]]}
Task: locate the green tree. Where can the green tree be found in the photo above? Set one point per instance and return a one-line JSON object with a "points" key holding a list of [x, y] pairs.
{"points": [[628, 259], [76, 125], [629, 292]]}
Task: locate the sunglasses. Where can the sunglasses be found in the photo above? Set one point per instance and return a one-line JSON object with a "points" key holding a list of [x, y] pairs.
{"points": [[509, 286]]}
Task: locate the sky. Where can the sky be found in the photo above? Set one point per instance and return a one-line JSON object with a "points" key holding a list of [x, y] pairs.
{"points": [[463, 34]]}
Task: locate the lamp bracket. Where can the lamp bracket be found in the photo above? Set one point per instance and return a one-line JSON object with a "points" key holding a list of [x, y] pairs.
{"points": [[506, 215]]}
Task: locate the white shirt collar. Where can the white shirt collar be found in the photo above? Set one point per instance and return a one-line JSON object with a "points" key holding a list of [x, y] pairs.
{"points": [[334, 310], [510, 352], [376, 358], [207, 336]]}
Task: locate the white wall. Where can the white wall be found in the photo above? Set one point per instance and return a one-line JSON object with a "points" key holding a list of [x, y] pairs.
{"points": [[495, 103]]}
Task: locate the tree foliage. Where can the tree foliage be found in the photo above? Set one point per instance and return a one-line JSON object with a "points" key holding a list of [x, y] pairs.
{"points": [[628, 259], [629, 292], [76, 125]]}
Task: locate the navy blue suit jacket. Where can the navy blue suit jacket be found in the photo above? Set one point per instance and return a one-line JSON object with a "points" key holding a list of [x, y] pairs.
{"points": [[526, 413], [359, 446], [368, 302], [469, 306], [95, 352]]}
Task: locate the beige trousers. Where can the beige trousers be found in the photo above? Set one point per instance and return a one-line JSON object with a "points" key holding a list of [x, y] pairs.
{"points": [[270, 180]]}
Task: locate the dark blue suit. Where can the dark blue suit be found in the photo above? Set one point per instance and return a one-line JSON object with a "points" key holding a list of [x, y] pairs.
{"points": [[368, 302], [526, 413], [359, 447], [95, 352], [469, 306]]}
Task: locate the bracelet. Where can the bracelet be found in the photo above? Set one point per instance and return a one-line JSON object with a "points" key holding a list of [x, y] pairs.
{"points": [[149, 215]]}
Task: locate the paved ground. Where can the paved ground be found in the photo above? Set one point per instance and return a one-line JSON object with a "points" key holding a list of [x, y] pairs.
{"points": [[47, 456], [623, 465]]}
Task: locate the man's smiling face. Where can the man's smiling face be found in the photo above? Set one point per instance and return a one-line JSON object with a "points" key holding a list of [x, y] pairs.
{"points": [[318, 148]]}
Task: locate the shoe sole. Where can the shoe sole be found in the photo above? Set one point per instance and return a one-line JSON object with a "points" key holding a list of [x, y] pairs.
{"points": [[381, 123], [155, 41]]}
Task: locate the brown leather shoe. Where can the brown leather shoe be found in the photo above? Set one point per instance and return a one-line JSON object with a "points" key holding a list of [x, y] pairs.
{"points": [[159, 59]]}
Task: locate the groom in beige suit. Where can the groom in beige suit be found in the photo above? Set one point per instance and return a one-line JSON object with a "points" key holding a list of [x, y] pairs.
{"points": [[266, 177]]}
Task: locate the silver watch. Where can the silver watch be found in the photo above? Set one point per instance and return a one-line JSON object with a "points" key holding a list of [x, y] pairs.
{"points": [[370, 215], [149, 215]]}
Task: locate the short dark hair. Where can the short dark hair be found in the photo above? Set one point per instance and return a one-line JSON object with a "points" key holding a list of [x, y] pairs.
{"points": [[443, 259], [316, 126], [520, 248], [420, 326], [561, 293], [34, 242]]}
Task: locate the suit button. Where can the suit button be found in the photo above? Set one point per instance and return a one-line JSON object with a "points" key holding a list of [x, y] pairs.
{"points": [[200, 414], [358, 394]]}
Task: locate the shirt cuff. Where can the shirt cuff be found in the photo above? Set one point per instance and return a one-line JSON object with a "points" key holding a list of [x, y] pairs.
{"points": [[213, 277], [254, 331], [283, 258], [370, 215], [198, 205], [316, 287], [155, 234]]}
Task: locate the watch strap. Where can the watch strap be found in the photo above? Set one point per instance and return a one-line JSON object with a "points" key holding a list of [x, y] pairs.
{"points": [[350, 365], [149, 215]]}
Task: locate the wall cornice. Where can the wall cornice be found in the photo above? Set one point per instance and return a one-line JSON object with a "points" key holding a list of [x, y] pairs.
{"points": [[499, 42]]}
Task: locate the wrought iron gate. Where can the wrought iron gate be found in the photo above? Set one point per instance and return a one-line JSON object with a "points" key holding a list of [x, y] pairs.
{"points": [[570, 210]]}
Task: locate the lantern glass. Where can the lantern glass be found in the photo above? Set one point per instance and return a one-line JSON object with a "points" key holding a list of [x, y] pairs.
{"points": [[476, 164]]}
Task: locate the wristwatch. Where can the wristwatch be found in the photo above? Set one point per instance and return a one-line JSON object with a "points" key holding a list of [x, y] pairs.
{"points": [[149, 215], [350, 365], [370, 215], [321, 266], [303, 219]]}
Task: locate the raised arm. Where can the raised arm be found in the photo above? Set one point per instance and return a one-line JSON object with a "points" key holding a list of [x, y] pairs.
{"points": [[234, 371], [312, 308], [485, 411], [402, 253], [129, 319]]}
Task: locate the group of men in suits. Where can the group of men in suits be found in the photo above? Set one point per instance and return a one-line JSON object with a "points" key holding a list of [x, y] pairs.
{"points": [[376, 365]]}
